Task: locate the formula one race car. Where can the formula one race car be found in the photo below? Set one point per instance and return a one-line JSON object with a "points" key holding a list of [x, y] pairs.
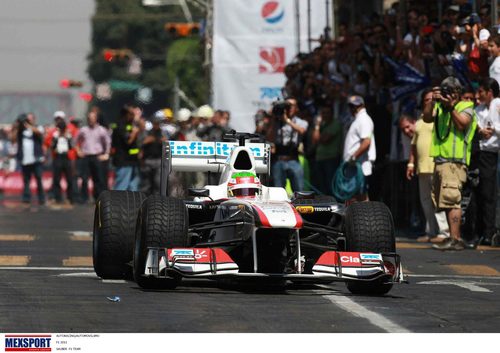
{"points": [[240, 228]]}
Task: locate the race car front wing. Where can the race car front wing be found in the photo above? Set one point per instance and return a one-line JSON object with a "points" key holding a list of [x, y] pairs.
{"points": [[331, 265]]}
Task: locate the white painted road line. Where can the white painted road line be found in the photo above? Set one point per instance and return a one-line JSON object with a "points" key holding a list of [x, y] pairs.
{"points": [[80, 233], [78, 275], [454, 276], [472, 286], [360, 311], [114, 281]]}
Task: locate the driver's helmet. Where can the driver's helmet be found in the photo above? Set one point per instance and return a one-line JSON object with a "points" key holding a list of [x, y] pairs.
{"points": [[242, 184]]}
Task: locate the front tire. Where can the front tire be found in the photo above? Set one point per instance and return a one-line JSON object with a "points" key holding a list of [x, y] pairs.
{"points": [[369, 227], [114, 232], [162, 223]]}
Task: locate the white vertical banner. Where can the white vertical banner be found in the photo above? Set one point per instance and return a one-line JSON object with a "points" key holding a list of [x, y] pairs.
{"points": [[253, 42]]}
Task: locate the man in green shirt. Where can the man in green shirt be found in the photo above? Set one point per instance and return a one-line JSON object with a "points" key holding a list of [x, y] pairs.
{"points": [[327, 136]]}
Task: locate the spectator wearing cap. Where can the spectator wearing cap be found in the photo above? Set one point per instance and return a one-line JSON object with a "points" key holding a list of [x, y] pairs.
{"points": [[494, 49], [182, 118], [191, 132], [452, 14], [151, 150], [179, 182], [217, 127], [478, 54], [451, 148], [168, 126], [93, 146], [125, 151], [359, 143], [61, 145], [205, 113]]}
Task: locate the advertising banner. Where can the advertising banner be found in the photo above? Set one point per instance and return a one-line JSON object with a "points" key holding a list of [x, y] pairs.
{"points": [[253, 42]]}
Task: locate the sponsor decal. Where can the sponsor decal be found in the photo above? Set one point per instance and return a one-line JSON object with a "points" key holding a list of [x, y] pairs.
{"points": [[200, 254], [323, 209], [305, 209], [272, 93], [272, 12], [194, 206], [370, 257], [31, 343], [198, 148], [182, 252], [272, 60], [349, 259]]}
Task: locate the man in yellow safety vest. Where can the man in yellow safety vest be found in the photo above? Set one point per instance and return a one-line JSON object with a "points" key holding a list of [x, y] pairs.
{"points": [[454, 126]]}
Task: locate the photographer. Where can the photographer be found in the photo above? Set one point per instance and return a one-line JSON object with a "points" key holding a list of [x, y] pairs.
{"points": [[454, 127], [285, 132], [30, 154]]}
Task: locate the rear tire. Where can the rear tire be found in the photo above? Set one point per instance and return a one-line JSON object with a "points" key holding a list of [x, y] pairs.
{"points": [[114, 233], [162, 223], [369, 227]]}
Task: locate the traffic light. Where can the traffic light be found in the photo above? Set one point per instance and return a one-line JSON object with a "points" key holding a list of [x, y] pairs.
{"points": [[87, 97], [181, 29], [66, 83], [112, 54]]}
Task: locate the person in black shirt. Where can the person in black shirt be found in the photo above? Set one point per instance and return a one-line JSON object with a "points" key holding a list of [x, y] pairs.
{"points": [[151, 158], [285, 133], [126, 152]]}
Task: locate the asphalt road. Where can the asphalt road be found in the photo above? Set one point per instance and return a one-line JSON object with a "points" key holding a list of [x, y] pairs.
{"points": [[47, 284]]}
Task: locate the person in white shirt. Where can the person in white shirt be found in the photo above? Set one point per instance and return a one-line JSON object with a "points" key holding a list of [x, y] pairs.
{"points": [[494, 50], [485, 195], [359, 143]]}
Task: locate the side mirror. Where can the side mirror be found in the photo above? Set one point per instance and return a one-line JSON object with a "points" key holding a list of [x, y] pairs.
{"points": [[198, 192]]}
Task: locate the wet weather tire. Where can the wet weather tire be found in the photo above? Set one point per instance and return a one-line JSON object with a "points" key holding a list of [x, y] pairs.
{"points": [[369, 227], [162, 223], [114, 233]]}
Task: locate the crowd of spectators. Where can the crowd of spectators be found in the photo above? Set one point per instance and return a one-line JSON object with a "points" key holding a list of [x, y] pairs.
{"points": [[390, 60], [77, 152]]}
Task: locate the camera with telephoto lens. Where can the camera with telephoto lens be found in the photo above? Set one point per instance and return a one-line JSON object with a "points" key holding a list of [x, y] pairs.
{"points": [[446, 91], [22, 119], [279, 108]]}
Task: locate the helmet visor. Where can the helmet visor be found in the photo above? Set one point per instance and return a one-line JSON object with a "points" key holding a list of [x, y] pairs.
{"points": [[245, 192]]}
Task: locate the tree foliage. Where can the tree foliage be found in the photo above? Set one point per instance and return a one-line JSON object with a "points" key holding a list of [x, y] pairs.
{"points": [[185, 60], [127, 24]]}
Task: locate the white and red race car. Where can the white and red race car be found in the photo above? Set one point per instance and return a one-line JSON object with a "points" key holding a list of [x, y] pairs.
{"points": [[240, 228]]}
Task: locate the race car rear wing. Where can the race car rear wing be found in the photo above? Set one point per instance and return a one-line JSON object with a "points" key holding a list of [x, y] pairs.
{"points": [[202, 156]]}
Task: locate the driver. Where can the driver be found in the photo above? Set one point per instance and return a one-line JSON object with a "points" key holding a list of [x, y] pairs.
{"points": [[244, 184]]}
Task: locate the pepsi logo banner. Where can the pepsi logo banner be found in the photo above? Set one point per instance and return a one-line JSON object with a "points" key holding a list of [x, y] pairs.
{"points": [[272, 12], [253, 43]]}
